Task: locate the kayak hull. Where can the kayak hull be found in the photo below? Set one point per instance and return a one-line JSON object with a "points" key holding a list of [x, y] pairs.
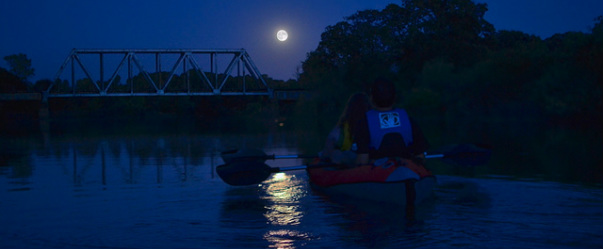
{"points": [[385, 184], [391, 193]]}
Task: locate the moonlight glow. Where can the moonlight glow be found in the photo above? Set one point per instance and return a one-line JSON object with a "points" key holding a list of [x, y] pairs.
{"points": [[281, 35]]}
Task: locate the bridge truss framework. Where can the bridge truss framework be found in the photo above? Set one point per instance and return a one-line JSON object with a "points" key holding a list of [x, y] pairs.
{"points": [[240, 75]]}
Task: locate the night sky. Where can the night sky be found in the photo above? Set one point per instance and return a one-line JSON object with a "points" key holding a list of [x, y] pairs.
{"points": [[46, 31]]}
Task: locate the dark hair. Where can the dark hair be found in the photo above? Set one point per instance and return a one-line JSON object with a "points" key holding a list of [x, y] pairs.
{"points": [[355, 109], [383, 92]]}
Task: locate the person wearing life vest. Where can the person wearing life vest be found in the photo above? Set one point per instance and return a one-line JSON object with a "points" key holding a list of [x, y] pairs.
{"points": [[339, 146], [388, 132]]}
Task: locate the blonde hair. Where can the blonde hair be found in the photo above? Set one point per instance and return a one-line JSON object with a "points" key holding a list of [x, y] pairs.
{"points": [[355, 110]]}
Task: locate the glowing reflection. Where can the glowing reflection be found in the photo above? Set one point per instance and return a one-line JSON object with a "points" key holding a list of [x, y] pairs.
{"points": [[285, 239], [284, 192], [279, 176]]}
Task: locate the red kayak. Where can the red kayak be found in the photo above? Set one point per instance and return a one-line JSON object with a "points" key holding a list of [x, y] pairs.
{"points": [[383, 182]]}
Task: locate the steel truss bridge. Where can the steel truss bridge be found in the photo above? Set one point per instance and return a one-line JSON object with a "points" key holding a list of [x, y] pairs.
{"points": [[128, 73]]}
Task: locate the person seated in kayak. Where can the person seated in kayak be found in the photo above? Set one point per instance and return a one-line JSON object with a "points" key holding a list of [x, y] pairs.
{"points": [[339, 147], [386, 131]]}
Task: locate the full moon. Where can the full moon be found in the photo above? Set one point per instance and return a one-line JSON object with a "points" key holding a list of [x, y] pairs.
{"points": [[281, 35]]}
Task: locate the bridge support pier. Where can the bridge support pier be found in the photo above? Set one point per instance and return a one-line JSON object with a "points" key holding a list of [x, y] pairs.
{"points": [[44, 113]]}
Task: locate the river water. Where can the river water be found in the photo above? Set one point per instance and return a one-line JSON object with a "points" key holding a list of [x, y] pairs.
{"points": [[130, 187]]}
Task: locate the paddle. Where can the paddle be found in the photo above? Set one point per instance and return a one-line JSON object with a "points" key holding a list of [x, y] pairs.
{"points": [[463, 154], [240, 171], [255, 154]]}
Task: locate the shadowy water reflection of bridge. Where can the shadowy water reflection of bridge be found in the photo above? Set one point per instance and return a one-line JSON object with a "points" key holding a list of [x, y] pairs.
{"points": [[124, 72], [120, 162]]}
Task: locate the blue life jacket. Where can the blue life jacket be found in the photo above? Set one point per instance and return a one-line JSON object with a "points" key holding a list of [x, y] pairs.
{"points": [[380, 123]]}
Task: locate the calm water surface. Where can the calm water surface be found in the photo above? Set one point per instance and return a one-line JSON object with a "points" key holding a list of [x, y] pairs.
{"points": [[160, 190]]}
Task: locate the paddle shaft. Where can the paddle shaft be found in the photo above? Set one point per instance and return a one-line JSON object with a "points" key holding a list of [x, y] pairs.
{"points": [[255, 154], [239, 170], [299, 167], [272, 157], [434, 156], [289, 156]]}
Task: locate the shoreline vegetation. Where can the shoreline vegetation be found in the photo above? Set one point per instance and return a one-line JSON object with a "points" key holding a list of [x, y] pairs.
{"points": [[447, 61]]}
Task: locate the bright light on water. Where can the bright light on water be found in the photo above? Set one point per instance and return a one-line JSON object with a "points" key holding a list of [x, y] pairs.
{"points": [[279, 176], [284, 210]]}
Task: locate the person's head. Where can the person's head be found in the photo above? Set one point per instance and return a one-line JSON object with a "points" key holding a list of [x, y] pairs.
{"points": [[357, 105], [383, 93]]}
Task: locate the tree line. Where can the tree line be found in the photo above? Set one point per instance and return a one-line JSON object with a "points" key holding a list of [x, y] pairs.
{"points": [[446, 59]]}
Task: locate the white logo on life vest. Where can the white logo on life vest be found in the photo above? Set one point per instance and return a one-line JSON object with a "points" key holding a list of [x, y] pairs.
{"points": [[389, 120]]}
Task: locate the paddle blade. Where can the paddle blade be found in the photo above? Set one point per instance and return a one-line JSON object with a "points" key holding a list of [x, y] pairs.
{"points": [[467, 154], [240, 173], [243, 155]]}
